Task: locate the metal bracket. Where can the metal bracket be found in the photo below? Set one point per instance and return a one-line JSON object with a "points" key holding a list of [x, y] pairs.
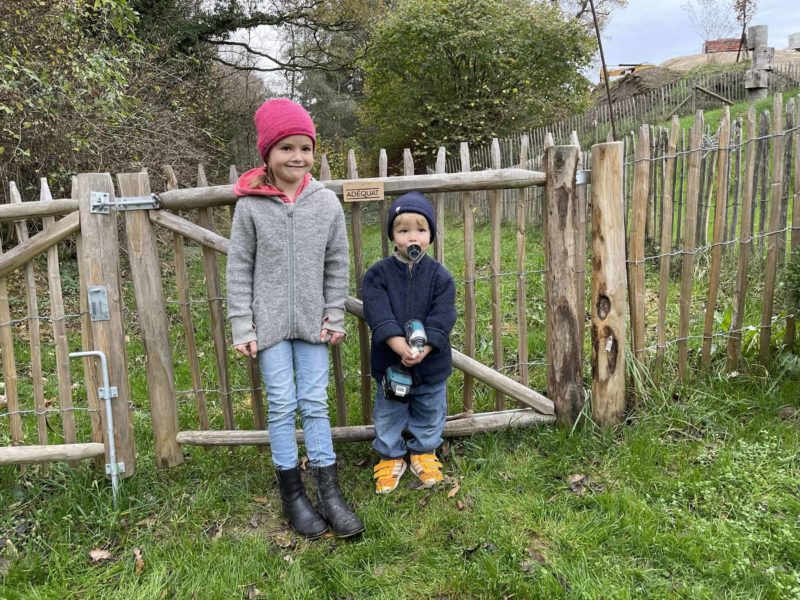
{"points": [[101, 203], [107, 393], [110, 468], [98, 303], [583, 177]]}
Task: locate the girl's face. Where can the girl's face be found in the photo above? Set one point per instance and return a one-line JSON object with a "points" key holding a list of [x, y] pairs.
{"points": [[411, 228], [290, 159]]}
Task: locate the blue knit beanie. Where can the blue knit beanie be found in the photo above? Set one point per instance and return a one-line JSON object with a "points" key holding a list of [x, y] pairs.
{"points": [[412, 202]]}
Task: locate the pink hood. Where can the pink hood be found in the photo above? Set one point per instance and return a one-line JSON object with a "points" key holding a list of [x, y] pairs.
{"points": [[242, 186]]}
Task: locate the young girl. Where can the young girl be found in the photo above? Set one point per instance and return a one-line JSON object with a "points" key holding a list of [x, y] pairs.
{"points": [[287, 281]]}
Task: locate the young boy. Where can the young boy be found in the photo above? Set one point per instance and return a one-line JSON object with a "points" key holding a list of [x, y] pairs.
{"points": [[409, 285]]}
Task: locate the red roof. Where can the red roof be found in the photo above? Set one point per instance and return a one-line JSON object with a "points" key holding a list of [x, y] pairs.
{"points": [[721, 45]]}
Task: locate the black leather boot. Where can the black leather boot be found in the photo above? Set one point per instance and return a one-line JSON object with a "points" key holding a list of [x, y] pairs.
{"points": [[332, 505], [296, 505]]}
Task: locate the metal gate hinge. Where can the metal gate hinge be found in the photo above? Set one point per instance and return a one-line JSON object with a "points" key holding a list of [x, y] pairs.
{"points": [[101, 203]]}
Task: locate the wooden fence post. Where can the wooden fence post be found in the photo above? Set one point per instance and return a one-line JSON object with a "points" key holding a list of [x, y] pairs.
{"points": [[609, 293], [496, 215], [745, 242], [151, 308], [565, 363], [641, 204], [666, 241], [358, 265], [100, 261], [720, 215], [469, 277], [687, 257], [771, 265], [789, 339], [205, 218]]}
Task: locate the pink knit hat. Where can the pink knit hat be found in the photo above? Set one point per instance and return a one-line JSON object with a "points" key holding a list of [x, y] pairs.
{"points": [[279, 118]]}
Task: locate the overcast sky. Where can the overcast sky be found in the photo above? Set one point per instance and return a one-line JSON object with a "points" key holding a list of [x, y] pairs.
{"points": [[654, 30]]}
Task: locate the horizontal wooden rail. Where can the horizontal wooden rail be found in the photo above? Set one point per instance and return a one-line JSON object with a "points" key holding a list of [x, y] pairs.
{"points": [[487, 375], [27, 210], [493, 179], [29, 455], [22, 254], [475, 423], [188, 229]]}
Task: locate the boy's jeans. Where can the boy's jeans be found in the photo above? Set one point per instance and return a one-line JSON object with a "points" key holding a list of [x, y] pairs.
{"points": [[423, 416], [296, 375]]}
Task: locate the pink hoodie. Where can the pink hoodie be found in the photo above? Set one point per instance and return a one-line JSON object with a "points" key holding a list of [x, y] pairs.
{"points": [[242, 186]]}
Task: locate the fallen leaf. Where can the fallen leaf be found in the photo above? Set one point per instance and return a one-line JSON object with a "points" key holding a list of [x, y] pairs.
{"points": [[254, 521], [260, 499], [139, 564], [304, 463], [147, 522], [459, 505], [5, 566], [97, 555], [454, 490], [363, 462], [288, 558], [215, 531], [253, 593], [284, 541], [577, 483]]}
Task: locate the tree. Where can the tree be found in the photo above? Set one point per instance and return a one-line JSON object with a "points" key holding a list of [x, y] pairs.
{"points": [[744, 9], [581, 11], [445, 71], [711, 19]]}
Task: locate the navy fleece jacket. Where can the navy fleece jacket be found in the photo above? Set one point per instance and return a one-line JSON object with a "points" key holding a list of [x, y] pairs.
{"points": [[394, 294]]}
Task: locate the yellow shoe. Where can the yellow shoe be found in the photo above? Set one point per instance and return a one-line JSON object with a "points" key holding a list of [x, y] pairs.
{"points": [[428, 468], [387, 474]]}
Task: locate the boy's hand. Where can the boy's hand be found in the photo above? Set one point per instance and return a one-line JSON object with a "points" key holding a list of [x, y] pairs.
{"points": [[418, 357], [399, 344], [330, 336], [250, 349]]}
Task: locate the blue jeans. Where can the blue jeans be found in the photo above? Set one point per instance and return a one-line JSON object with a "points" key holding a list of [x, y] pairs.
{"points": [[295, 375], [423, 416]]}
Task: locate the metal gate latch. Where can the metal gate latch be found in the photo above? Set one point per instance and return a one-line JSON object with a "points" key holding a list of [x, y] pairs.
{"points": [[101, 203]]}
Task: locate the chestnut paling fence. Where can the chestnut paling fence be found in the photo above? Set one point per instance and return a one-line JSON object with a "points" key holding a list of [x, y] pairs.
{"points": [[681, 221]]}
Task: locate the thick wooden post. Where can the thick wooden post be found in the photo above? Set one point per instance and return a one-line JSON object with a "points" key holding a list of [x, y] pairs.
{"points": [[609, 293], [564, 366], [152, 311], [100, 264]]}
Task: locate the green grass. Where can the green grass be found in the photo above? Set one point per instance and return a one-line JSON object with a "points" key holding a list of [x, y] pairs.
{"points": [[694, 497]]}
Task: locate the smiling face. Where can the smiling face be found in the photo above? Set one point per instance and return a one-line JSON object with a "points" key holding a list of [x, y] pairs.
{"points": [[289, 160], [411, 228]]}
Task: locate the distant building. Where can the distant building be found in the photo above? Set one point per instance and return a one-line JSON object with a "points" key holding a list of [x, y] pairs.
{"points": [[721, 45]]}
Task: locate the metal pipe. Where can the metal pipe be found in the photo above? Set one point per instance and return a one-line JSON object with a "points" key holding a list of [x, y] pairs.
{"points": [[106, 392]]}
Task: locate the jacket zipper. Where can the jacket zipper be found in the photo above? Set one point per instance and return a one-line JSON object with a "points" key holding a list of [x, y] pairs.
{"points": [[290, 237]]}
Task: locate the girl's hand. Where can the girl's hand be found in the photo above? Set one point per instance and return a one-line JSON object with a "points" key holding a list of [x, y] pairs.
{"points": [[330, 336], [250, 349]]}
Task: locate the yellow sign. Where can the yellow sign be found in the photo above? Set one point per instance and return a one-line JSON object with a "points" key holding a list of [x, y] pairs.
{"points": [[362, 191]]}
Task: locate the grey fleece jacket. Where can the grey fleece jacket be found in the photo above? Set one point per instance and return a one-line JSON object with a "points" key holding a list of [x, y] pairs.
{"points": [[287, 267]]}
